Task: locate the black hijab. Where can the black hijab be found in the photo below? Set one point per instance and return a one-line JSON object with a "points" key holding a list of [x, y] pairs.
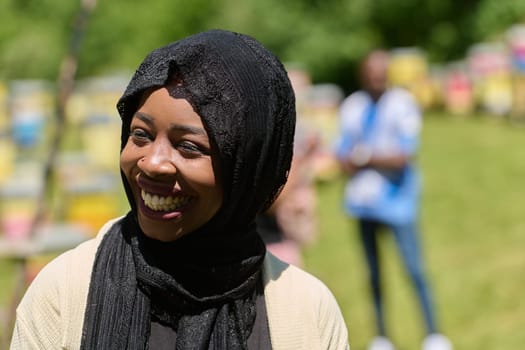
{"points": [[203, 285]]}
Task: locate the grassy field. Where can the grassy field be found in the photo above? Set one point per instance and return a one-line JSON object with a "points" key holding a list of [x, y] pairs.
{"points": [[473, 234]]}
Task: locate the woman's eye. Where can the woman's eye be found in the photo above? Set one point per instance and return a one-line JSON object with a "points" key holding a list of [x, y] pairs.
{"points": [[190, 148], [140, 135]]}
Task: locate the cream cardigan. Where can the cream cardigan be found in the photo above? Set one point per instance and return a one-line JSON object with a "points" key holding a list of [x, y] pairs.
{"points": [[302, 312]]}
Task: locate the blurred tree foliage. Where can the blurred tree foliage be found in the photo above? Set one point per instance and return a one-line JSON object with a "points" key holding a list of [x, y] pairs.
{"points": [[327, 37]]}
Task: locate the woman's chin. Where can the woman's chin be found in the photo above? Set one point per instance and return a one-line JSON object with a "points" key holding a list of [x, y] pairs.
{"points": [[160, 230]]}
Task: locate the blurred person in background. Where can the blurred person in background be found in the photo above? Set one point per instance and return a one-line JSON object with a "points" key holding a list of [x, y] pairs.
{"points": [[379, 138], [291, 223], [206, 144]]}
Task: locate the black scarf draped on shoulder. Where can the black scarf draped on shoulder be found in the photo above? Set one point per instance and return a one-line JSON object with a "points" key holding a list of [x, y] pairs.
{"points": [[204, 284]]}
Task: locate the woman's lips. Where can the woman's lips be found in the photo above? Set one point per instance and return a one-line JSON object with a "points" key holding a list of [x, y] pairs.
{"points": [[160, 200], [167, 203]]}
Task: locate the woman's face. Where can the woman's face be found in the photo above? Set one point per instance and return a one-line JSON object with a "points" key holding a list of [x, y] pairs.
{"points": [[171, 167]]}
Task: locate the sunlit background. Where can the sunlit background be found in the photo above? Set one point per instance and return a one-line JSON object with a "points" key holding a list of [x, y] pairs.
{"points": [[64, 64]]}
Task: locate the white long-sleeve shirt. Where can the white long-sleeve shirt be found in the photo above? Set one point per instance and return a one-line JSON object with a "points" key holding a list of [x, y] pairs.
{"points": [[302, 312]]}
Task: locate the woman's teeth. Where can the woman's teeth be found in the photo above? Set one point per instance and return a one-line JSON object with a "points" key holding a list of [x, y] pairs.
{"points": [[160, 203]]}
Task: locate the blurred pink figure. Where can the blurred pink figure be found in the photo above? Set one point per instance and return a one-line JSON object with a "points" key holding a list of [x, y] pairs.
{"points": [[291, 222]]}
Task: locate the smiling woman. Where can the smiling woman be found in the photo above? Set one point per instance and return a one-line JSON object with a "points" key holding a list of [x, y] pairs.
{"points": [[206, 145]]}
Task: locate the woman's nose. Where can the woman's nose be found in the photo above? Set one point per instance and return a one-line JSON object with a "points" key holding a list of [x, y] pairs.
{"points": [[158, 160]]}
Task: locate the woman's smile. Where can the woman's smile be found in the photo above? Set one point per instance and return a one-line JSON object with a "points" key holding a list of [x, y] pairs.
{"points": [[160, 203]]}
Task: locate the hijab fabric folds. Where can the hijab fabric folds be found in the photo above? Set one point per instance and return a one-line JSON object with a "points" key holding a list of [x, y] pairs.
{"points": [[204, 284]]}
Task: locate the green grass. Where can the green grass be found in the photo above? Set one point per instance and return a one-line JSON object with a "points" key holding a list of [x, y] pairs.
{"points": [[473, 236]]}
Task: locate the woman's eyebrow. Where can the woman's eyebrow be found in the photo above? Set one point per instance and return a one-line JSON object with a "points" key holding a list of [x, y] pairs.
{"points": [[189, 129], [145, 118]]}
